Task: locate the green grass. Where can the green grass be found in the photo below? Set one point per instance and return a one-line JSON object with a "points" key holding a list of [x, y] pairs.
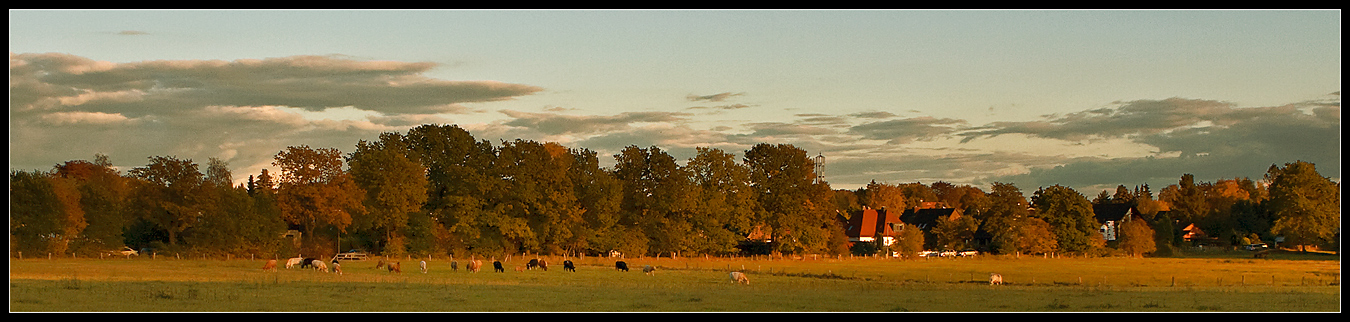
{"points": [[1033, 284]]}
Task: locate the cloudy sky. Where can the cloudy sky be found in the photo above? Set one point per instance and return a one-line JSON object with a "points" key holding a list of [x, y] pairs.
{"points": [[1086, 99]]}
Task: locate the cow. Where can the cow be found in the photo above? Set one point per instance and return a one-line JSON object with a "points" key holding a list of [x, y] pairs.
{"points": [[381, 263], [567, 266], [320, 266], [738, 277], [543, 264], [520, 268], [474, 265], [648, 269], [995, 278], [294, 261], [307, 262], [394, 267], [497, 267], [532, 264], [621, 266], [423, 265], [337, 268], [454, 266], [271, 265]]}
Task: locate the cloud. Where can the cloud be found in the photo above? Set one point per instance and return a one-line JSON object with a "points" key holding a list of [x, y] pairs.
{"points": [[309, 82], [712, 98], [907, 130], [132, 33], [66, 107], [555, 124]]}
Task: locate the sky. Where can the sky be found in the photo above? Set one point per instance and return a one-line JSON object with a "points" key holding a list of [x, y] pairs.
{"points": [[1081, 98]]}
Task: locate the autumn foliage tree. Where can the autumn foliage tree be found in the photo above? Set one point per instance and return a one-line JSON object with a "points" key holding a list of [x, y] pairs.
{"points": [[394, 184], [1306, 205], [314, 190]]}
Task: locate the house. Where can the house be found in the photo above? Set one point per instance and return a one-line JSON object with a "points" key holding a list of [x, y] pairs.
{"points": [[1111, 216], [1193, 234], [869, 224], [927, 218]]}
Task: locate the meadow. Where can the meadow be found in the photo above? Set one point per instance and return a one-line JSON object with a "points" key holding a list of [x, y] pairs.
{"points": [[1285, 282]]}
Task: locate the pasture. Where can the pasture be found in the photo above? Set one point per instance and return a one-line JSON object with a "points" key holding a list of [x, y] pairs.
{"points": [[1031, 284]]}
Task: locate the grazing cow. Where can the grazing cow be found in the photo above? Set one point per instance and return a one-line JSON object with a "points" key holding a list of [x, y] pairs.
{"points": [[621, 266], [532, 264], [294, 261], [648, 269], [995, 278], [567, 266], [497, 267], [394, 267], [320, 266], [337, 268], [271, 265], [520, 268], [543, 264], [738, 277], [307, 262], [423, 264], [474, 265], [454, 266], [381, 263]]}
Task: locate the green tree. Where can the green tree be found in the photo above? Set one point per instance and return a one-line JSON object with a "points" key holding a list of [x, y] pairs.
{"points": [[1136, 238], [1069, 215], [1034, 237], [955, 233], [724, 203], [792, 203], [909, 241], [599, 195], [169, 194], [458, 169], [395, 186], [658, 198], [538, 205], [1007, 208], [1306, 205]]}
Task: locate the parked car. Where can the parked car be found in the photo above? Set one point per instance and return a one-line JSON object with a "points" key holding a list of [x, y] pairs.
{"points": [[927, 253], [1256, 247], [968, 253], [127, 251], [947, 253]]}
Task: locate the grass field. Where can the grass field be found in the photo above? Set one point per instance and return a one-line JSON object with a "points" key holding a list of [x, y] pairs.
{"points": [[1283, 283]]}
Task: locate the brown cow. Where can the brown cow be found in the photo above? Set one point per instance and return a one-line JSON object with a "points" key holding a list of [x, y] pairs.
{"points": [[381, 264], [393, 267], [271, 265], [474, 265], [995, 278], [543, 264]]}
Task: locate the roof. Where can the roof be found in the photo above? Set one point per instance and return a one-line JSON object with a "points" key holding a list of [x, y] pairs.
{"points": [[927, 218], [1113, 212], [871, 223]]}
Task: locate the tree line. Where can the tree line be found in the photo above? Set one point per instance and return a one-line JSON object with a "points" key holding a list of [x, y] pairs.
{"points": [[438, 190]]}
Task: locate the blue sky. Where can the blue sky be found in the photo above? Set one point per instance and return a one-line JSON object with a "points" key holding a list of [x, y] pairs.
{"points": [[1087, 99]]}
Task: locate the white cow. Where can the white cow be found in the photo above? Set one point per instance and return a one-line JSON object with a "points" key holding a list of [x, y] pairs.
{"points": [[320, 266], [424, 267], [294, 261], [337, 268], [738, 277], [995, 278]]}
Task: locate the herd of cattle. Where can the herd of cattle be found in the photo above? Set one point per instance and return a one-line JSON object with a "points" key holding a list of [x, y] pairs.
{"points": [[473, 266]]}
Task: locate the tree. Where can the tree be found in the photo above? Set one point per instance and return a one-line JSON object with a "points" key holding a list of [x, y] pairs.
{"points": [[169, 194], [537, 207], [1069, 215], [314, 190], [599, 195], [955, 233], [658, 197], [395, 185], [1007, 208], [1306, 205], [1034, 237], [45, 213], [103, 197], [884, 196], [1136, 238], [724, 206], [791, 202], [910, 240], [460, 183]]}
